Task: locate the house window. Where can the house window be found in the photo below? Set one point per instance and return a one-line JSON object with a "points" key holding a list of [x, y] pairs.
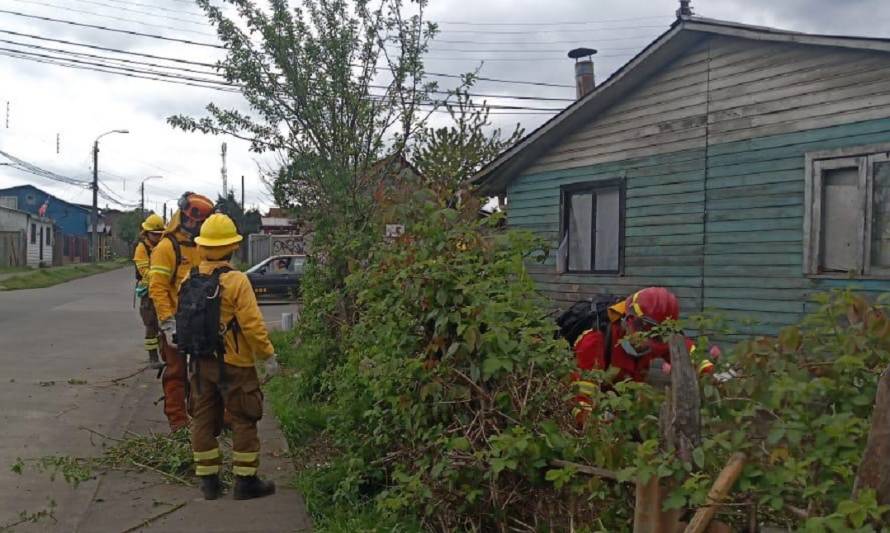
{"points": [[847, 224], [33, 233], [592, 231], [48, 240]]}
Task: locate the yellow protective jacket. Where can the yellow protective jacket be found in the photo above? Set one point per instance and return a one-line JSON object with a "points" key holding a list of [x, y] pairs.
{"points": [[166, 276], [141, 259], [249, 341]]}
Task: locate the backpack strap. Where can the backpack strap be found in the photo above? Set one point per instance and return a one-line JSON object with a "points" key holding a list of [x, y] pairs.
{"points": [[177, 250]]}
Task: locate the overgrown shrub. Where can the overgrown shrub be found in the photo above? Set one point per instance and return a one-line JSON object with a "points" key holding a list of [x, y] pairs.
{"points": [[445, 399]]}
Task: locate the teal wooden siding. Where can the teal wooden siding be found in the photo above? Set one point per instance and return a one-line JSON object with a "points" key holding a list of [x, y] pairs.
{"points": [[721, 226]]}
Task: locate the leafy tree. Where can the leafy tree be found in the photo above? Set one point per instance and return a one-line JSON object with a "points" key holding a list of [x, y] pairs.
{"points": [[333, 86], [247, 222], [129, 225], [448, 156]]}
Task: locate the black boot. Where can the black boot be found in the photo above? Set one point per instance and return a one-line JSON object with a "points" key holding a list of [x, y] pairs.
{"points": [[249, 487], [210, 486], [153, 361]]}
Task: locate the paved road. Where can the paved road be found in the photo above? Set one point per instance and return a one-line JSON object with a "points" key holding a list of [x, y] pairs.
{"points": [[59, 349]]}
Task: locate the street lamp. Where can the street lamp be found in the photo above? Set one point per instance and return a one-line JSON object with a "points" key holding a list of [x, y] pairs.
{"points": [[95, 216], [142, 193]]}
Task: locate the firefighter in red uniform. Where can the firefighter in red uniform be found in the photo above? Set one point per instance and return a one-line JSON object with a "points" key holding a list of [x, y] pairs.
{"points": [[629, 351]]}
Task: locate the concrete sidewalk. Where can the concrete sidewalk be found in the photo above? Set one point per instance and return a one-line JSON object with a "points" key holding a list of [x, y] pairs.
{"points": [[132, 501], [60, 350]]}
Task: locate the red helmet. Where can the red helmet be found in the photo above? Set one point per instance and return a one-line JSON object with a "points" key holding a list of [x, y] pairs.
{"points": [[653, 305], [195, 206]]}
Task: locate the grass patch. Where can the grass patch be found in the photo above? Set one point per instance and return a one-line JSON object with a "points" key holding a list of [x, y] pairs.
{"points": [[47, 277], [319, 469], [13, 269]]}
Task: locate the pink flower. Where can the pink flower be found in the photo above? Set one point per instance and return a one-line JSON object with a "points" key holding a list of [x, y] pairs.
{"points": [[715, 352]]}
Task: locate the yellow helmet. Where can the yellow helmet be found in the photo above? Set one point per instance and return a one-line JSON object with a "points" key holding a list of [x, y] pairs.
{"points": [[153, 223], [218, 230]]}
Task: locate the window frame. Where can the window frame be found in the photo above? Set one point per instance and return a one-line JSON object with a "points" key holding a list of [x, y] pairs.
{"points": [[591, 187], [816, 163]]}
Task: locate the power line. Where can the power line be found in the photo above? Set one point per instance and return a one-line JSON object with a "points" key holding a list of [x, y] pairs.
{"points": [[211, 45], [30, 168], [107, 49], [210, 65], [159, 8], [125, 69], [536, 32], [112, 17], [115, 30], [219, 85], [203, 23], [555, 23], [22, 55], [106, 58]]}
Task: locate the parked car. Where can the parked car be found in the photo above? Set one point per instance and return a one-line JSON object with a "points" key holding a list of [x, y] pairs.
{"points": [[278, 276]]}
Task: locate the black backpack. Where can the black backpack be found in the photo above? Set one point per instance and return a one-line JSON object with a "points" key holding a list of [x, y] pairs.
{"points": [[588, 314], [198, 331]]}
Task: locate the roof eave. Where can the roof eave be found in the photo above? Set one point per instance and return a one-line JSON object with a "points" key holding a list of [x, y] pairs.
{"points": [[684, 32]]}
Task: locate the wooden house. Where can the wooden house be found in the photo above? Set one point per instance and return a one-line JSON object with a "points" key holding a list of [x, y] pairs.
{"points": [[743, 167]]}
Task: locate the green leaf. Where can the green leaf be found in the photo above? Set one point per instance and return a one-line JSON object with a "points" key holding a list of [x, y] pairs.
{"points": [[698, 456], [460, 444], [491, 365]]}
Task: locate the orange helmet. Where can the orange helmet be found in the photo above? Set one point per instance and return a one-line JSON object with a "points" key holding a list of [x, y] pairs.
{"points": [[653, 305], [195, 206]]}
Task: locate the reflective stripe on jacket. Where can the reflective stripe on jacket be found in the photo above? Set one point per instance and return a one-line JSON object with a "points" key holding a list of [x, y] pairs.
{"points": [[165, 294]]}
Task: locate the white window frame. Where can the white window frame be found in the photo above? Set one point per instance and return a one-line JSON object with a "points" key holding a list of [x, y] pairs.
{"points": [[865, 158]]}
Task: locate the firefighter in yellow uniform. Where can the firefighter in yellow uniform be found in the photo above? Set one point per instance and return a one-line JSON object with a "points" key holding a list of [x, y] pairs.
{"points": [[152, 230], [171, 261], [232, 385]]}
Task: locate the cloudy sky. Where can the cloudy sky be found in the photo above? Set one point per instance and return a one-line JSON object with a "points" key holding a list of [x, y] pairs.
{"points": [[517, 40]]}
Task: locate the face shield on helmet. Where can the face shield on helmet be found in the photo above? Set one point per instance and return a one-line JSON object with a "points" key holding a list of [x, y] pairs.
{"points": [[194, 210], [645, 310]]}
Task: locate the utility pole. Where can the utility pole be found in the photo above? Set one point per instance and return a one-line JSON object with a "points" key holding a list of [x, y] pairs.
{"points": [[142, 195], [165, 212], [242, 192], [94, 218], [223, 171]]}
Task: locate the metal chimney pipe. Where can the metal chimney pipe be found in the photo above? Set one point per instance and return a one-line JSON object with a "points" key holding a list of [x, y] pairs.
{"points": [[584, 78]]}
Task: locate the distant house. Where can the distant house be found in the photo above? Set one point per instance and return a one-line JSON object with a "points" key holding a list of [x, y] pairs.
{"points": [[743, 167], [279, 221], [72, 220], [25, 239]]}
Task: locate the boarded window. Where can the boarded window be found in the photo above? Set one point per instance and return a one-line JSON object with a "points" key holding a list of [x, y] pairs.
{"points": [[847, 228], [592, 226], [880, 219]]}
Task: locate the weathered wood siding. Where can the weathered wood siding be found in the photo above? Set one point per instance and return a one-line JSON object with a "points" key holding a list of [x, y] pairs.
{"points": [[712, 152]]}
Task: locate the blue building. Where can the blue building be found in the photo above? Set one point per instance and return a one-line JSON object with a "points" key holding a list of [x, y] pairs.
{"points": [[71, 219]]}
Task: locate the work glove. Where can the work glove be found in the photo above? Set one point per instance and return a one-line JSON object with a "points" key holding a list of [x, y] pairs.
{"points": [[141, 291], [272, 367], [168, 327]]}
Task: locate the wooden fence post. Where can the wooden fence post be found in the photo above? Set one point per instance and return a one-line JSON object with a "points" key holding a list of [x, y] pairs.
{"points": [[680, 425], [874, 470]]}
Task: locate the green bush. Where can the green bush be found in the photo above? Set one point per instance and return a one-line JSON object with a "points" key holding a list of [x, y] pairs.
{"points": [[435, 396]]}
